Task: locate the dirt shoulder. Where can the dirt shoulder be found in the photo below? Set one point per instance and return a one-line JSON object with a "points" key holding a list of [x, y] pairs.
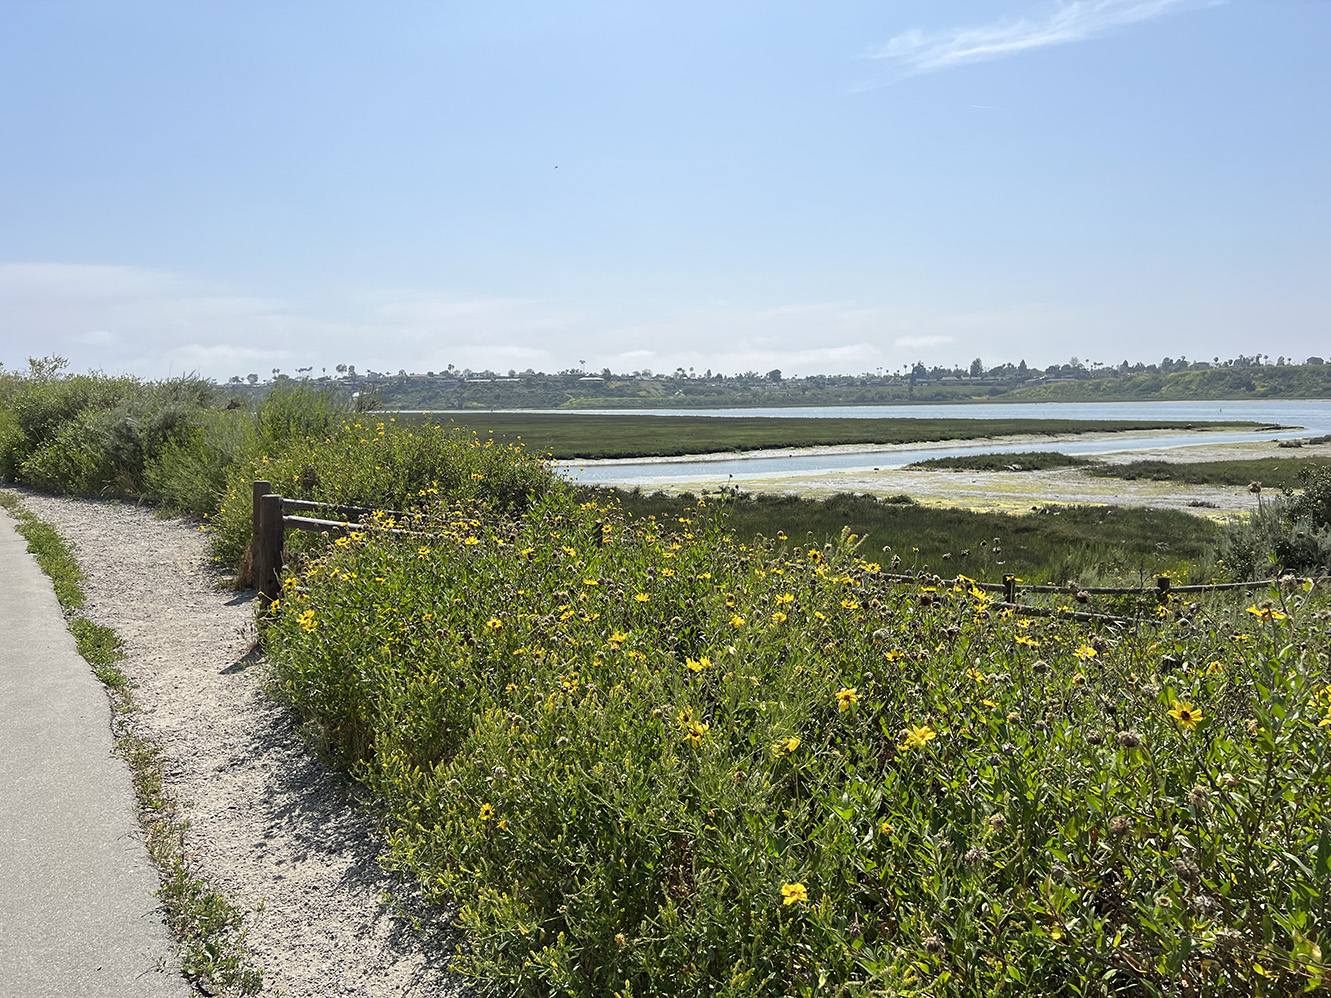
{"points": [[270, 826]]}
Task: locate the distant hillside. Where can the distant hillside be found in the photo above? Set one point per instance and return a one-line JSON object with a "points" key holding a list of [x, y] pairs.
{"points": [[573, 390], [1288, 381]]}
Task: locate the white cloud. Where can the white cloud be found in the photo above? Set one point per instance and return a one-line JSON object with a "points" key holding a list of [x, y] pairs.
{"points": [[154, 323], [917, 51], [913, 342]]}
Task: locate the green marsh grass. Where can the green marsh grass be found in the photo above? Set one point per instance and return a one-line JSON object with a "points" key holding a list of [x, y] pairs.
{"points": [[1271, 472], [1092, 545], [605, 436], [1024, 461]]}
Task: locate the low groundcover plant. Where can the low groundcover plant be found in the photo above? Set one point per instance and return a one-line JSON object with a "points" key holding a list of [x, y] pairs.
{"points": [[643, 758]]}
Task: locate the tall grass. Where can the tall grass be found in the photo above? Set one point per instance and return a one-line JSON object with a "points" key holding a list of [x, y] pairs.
{"points": [[372, 463]]}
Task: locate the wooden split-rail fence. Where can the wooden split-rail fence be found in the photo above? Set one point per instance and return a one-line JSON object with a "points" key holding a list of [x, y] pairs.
{"points": [[271, 522], [273, 517]]}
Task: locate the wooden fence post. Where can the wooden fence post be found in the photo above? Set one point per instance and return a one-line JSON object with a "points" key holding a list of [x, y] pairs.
{"points": [[268, 541], [261, 489], [1162, 587], [1010, 588], [258, 570]]}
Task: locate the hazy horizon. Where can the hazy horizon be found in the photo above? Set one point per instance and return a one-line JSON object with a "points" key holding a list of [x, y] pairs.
{"points": [[736, 187]]}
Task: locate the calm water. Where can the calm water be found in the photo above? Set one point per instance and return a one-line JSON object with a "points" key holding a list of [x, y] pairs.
{"points": [[1314, 416]]}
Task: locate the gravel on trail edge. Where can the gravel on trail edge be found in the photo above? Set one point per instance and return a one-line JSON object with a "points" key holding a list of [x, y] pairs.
{"points": [[270, 826]]}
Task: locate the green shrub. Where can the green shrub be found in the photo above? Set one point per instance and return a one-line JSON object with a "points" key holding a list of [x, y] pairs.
{"points": [[44, 407], [1290, 533], [1311, 502], [92, 435], [13, 444], [189, 474], [377, 464], [74, 459], [299, 411]]}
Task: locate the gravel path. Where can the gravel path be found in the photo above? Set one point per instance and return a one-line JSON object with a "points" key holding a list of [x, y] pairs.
{"points": [[272, 827]]}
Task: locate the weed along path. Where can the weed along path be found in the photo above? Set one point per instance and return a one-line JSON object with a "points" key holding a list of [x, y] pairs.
{"points": [[77, 915], [269, 826]]}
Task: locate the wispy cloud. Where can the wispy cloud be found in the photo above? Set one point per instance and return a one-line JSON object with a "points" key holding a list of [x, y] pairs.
{"points": [[917, 51]]}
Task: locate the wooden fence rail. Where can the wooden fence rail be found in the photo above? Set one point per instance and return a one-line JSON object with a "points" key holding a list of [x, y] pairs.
{"points": [[271, 523]]}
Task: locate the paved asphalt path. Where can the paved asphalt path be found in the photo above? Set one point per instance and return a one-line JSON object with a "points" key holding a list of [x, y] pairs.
{"points": [[77, 915]]}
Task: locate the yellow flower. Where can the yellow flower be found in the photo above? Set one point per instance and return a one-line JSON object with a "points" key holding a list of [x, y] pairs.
{"points": [[785, 598], [641, 598], [1085, 652], [487, 812], [618, 637], [494, 623], [916, 737], [785, 746], [1266, 613], [892, 656], [779, 617], [590, 582], [698, 664], [694, 732], [886, 827], [342, 541], [850, 604], [736, 621], [306, 619], [793, 893], [1029, 642], [979, 677], [846, 698], [1186, 714], [1214, 668]]}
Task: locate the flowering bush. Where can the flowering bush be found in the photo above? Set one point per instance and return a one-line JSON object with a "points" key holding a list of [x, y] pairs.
{"points": [[643, 758], [371, 462]]}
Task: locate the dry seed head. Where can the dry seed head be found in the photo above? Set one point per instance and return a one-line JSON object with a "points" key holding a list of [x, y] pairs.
{"points": [[1187, 870], [1120, 824], [1129, 739]]}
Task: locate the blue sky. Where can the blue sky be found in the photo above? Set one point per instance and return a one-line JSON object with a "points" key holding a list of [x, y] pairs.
{"points": [[837, 187]]}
